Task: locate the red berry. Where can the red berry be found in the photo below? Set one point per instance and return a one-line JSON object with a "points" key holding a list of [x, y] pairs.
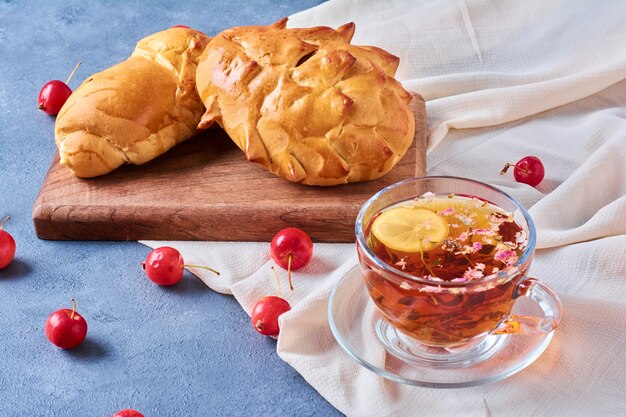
{"points": [[127, 412], [528, 170], [53, 96], [180, 26], [66, 328], [266, 312], [165, 266], [7, 246], [291, 249]]}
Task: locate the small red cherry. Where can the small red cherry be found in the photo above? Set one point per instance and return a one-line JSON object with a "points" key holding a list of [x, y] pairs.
{"points": [[66, 328], [165, 266], [180, 26], [266, 312], [291, 249], [7, 246], [127, 412], [54, 94], [528, 170]]}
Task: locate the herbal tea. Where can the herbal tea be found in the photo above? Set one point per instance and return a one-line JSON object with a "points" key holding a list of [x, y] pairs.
{"points": [[450, 240]]}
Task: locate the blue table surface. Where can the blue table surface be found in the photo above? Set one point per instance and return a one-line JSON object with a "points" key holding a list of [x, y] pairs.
{"points": [[181, 351]]}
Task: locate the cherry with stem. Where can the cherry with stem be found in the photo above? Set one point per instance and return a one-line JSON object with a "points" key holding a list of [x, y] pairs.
{"points": [[280, 292], [267, 310], [291, 249], [528, 170], [54, 94], [66, 328], [165, 266]]}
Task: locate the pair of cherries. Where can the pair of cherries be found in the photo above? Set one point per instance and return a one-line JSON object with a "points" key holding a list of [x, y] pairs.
{"points": [[291, 249], [65, 328]]}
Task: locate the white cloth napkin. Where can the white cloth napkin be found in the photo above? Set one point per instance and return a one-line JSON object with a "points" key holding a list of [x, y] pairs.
{"points": [[502, 80]]}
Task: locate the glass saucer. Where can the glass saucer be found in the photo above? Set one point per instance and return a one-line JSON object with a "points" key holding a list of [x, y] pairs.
{"points": [[362, 332]]}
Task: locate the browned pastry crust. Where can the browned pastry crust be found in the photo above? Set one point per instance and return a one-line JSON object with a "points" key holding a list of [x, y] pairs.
{"points": [[305, 103], [135, 110]]}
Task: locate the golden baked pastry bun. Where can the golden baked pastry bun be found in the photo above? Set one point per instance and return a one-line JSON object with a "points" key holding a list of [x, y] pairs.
{"points": [[305, 103], [135, 110]]}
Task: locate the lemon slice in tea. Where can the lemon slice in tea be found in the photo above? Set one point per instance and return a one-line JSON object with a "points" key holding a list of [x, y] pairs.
{"points": [[409, 229]]}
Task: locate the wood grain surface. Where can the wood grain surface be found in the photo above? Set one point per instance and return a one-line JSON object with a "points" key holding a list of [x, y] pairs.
{"points": [[205, 189]]}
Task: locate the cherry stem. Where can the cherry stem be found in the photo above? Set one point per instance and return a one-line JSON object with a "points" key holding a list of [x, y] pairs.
{"points": [[201, 267], [280, 291], [73, 308], [72, 73], [4, 221], [289, 271], [506, 168]]}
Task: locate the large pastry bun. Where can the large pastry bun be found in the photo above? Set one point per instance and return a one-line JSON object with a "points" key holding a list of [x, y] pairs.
{"points": [[135, 110], [305, 103]]}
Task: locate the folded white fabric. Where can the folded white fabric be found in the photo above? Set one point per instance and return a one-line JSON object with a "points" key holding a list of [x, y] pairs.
{"points": [[502, 80]]}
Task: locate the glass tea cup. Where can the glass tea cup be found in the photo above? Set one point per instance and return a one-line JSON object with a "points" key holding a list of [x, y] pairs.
{"points": [[451, 322]]}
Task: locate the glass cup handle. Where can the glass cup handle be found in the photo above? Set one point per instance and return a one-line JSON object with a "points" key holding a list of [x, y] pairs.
{"points": [[547, 300]]}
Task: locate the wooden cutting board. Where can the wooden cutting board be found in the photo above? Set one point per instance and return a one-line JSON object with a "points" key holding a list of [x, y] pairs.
{"points": [[205, 189]]}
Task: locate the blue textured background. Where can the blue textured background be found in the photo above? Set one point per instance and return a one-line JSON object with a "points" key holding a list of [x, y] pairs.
{"points": [[184, 351]]}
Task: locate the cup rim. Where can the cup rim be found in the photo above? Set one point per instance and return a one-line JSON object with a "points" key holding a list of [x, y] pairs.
{"points": [[505, 273]]}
